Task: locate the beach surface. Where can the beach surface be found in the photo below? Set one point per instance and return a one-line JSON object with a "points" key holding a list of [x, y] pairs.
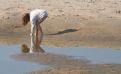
{"points": [[71, 23]]}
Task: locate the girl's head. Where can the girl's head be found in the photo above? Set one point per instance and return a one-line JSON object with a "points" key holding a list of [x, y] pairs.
{"points": [[25, 19]]}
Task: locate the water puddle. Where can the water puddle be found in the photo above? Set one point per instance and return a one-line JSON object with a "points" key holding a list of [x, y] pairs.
{"points": [[94, 55], [13, 62], [10, 66]]}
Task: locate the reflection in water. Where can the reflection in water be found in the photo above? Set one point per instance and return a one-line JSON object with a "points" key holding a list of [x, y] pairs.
{"points": [[26, 49], [20, 38], [50, 59], [17, 38]]}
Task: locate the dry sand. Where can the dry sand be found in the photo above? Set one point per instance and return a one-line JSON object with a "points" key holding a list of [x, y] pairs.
{"points": [[84, 23]]}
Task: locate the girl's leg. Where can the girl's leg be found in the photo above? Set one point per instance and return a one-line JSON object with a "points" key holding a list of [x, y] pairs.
{"points": [[41, 34], [36, 35], [32, 39], [38, 39]]}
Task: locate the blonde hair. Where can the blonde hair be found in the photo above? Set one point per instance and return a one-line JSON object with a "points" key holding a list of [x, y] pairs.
{"points": [[25, 19]]}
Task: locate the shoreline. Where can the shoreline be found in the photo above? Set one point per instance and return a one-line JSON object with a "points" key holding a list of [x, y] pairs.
{"points": [[59, 41]]}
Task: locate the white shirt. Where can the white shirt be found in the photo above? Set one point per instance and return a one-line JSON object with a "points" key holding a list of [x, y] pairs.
{"points": [[37, 14]]}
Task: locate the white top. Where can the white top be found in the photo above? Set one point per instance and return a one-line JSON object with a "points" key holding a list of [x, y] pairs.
{"points": [[36, 15]]}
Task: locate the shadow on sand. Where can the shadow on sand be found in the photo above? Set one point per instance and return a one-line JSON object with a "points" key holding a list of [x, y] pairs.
{"points": [[64, 31]]}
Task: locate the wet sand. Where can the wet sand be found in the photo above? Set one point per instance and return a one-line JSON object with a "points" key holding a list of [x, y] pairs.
{"points": [[71, 23], [86, 69]]}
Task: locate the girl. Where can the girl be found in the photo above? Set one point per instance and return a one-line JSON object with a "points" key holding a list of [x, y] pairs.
{"points": [[36, 17]]}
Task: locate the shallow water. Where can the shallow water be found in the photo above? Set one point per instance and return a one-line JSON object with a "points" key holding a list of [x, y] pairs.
{"points": [[94, 55], [10, 66]]}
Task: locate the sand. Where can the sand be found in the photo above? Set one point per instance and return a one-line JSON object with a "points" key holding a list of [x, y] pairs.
{"points": [[71, 23], [95, 69]]}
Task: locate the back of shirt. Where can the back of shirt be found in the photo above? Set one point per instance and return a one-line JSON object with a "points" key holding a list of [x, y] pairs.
{"points": [[35, 15]]}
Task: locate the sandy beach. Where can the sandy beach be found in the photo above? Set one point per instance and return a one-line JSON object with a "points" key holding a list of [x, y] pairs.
{"points": [[71, 23]]}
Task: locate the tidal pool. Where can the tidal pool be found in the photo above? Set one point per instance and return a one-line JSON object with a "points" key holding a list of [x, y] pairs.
{"points": [[9, 65]]}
